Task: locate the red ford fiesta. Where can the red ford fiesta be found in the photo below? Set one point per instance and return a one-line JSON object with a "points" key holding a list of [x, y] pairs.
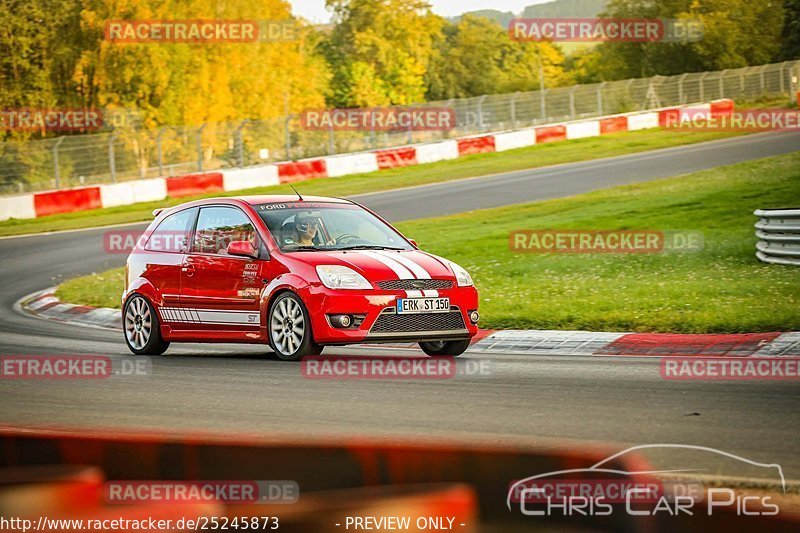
{"points": [[298, 274]]}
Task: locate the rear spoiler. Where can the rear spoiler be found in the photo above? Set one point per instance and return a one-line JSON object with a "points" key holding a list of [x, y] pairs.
{"points": [[156, 212]]}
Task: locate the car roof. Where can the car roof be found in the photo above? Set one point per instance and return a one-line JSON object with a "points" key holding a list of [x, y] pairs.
{"points": [[252, 200], [287, 198]]}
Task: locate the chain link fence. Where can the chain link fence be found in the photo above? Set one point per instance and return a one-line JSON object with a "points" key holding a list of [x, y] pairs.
{"points": [[128, 152]]}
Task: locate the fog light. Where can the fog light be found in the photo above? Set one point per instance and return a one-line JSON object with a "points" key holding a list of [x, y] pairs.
{"points": [[474, 316], [341, 321]]}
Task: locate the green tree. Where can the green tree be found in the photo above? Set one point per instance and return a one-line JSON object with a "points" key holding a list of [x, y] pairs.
{"points": [[379, 51], [477, 56], [736, 33], [790, 38]]}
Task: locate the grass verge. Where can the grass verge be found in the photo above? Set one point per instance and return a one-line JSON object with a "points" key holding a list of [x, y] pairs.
{"points": [[722, 288], [476, 165]]}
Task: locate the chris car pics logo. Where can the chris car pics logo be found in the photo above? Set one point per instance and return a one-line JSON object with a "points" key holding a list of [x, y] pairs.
{"points": [[606, 488]]}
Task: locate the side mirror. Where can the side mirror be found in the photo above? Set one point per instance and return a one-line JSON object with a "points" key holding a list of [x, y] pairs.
{"points": [[412, 241], [242, 248]]}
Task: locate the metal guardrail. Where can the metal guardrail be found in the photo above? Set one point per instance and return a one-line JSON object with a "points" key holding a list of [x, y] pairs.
{"points": [[778, 232], [132, 152]]}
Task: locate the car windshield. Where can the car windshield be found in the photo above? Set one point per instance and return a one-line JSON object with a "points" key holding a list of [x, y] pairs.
{"points": [[310, 226]]}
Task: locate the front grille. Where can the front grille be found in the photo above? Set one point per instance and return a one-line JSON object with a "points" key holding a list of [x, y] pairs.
{"points": [[394, 323], [415, 284]]}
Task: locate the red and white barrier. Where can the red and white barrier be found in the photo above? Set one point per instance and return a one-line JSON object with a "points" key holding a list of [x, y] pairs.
{"points": [[721, 108], [17, 207], [514, 139], [397, 157], [642, 121], [149, 190], [133, 192], [237, 179], [343, 165], [194, 184], [548, 134], [475, 145], [581, 130], [613, 125], [306, 169], [433, 152], [67, 201]]}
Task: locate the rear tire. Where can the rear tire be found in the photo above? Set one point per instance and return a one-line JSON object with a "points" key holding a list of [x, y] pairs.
{"points": [[444, 348], [141, 327], [289, 328]]}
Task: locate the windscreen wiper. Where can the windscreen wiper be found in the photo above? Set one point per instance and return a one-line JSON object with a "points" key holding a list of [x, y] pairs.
{"points": [[305, 249], [369, 247]]}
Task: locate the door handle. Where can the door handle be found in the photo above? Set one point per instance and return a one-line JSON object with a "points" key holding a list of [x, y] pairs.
{"points": [[188, 269]]}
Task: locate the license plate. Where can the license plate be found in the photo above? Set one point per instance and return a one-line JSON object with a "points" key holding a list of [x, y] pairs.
{"points": [[422, 305]]}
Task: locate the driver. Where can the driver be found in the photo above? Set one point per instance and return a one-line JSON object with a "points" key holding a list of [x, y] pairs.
{"points": [[305, 228]]}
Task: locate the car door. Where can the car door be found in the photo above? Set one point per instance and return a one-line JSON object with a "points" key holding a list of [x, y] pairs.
{"points": [[164, 254], [221, 292]]}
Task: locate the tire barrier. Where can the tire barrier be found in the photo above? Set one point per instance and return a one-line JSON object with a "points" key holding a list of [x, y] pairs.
{"points": [[778, 233]]}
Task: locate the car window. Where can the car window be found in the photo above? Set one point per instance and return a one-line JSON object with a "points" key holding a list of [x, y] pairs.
{"points": [[324, 226], [219, 226], [172, 233]]}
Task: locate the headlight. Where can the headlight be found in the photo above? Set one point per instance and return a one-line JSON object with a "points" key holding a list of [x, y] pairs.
{"points": [[341, 277], [462, 276]]}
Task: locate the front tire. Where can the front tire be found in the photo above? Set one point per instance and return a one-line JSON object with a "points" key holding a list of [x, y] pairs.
{"points": [[290, 329], [142, 328], [444, 348]]}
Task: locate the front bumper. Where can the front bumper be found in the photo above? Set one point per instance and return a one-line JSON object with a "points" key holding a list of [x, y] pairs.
{"points": [[382, 324]]}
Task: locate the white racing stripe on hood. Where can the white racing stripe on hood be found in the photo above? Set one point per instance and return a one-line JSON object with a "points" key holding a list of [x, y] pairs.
{"points": [[417, 269], [401, 271], [414, 267]]}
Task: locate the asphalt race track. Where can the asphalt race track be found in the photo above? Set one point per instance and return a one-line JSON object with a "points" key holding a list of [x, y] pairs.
{"points": [[524, 399]]}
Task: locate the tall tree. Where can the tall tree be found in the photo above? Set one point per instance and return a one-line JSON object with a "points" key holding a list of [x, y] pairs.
{"points": [[736, 33], [379, 51], [477, 56]]}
